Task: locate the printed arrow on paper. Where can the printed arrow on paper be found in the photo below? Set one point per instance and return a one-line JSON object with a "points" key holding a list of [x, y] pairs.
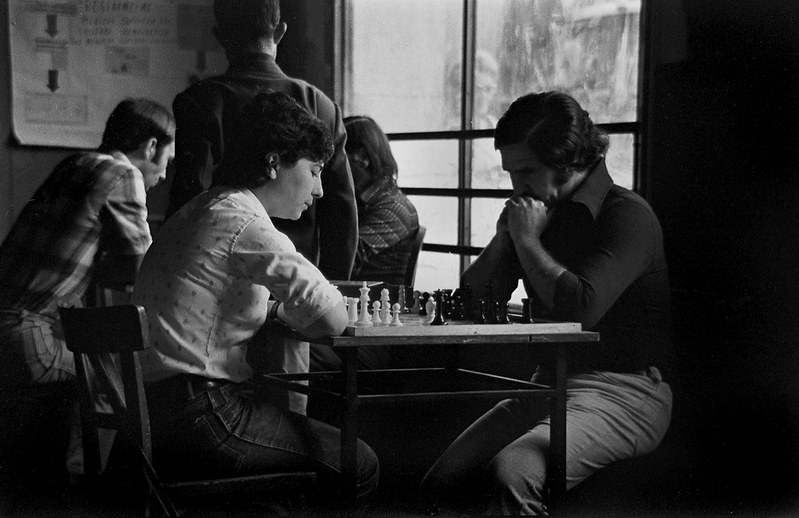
{"points": [[52, 80], [52, 25]]}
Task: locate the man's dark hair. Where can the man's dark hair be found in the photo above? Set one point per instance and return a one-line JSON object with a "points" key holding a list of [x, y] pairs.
{"points": [[242, 21], [133, 122], [556, 128], [364, 134], [273, 123]]}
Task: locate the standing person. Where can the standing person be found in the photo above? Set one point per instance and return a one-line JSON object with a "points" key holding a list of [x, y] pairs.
{"points": [[588, 251], [250, 31], [387, 220], [88, 219], [206, 284]]}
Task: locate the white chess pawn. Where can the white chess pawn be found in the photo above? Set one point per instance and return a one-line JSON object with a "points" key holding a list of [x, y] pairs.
{"points": [[376, 313], [395, 312]]}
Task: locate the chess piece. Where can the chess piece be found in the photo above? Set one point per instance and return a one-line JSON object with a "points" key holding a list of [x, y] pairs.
{"points": [[446, 304], [425, 298], [480, 311], [352, 310], [385, 306], [401, 299], [430, 309], [439, 319], [527, 312], [501, 312], [396, 309], [376, 313], [364, 320], [415, 307]]}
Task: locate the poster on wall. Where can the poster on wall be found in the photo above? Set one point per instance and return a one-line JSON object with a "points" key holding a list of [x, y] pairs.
{"points": [[72, 61]]}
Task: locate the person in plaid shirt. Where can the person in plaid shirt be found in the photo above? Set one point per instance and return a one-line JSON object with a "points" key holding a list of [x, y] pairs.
{"points": [[89, 215]]}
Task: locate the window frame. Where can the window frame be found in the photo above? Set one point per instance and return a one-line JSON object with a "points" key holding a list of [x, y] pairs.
{"points": [[464, 193]]}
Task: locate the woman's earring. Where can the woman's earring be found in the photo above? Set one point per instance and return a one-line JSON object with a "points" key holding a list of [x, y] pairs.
{"points": [[272, 173]]}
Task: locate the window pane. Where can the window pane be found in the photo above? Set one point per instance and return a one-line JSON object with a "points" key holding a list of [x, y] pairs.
{"points": [[436, 271], [397, 62], [588, 48], [427, 163], [485, 212], [487, 170], [440, 216], [620, 159]]}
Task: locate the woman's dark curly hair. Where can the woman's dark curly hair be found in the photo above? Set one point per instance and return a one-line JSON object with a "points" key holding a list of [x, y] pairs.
{"points": [[556, 128], [272, 123]]}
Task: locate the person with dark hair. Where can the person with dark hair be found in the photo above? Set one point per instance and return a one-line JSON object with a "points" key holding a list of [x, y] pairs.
{"points": [[250, 31], [387, 220], [206, 284], [387, 226], [587, 251], [88, 219]]}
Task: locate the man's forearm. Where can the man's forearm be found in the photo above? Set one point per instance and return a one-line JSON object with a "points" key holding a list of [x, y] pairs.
{"points": [[493, 266], [540, 268]]}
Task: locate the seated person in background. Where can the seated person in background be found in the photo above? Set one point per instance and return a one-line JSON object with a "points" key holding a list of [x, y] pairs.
{"points": [[588, 251], [89, 215], [206, 284], [387, 226], [387, 220]]}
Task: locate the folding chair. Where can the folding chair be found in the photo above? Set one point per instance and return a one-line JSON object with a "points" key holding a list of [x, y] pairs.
{"points": [[105, 341]]}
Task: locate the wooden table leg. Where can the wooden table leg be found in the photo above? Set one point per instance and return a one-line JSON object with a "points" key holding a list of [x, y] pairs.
{"points": [[557, 430], [349, 430]]}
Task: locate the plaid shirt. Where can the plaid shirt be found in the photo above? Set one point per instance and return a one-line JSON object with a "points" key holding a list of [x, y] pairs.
{"points": [[90, 203], [387, 225]]}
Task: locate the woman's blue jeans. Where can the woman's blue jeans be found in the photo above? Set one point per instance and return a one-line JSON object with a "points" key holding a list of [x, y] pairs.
{"points": [[228, 429]]}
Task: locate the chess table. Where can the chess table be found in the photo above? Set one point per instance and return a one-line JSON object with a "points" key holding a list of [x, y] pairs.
{"points": [[352, 387]]}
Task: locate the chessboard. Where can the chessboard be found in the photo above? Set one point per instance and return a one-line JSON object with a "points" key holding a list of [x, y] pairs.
{"points": [[426, 315], [415, 325]]}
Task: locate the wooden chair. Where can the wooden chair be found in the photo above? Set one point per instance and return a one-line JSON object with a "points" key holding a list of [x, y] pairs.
{"points": [[410, 272], [105, 341]]}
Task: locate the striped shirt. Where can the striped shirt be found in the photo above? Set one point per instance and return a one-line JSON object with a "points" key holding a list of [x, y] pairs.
{"points": [[90, 203], [387, 225]]}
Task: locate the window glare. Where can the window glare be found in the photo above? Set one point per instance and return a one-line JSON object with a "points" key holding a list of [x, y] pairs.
{"points": [[588, 48], [439, 215], [426, 163], [620, 159]]}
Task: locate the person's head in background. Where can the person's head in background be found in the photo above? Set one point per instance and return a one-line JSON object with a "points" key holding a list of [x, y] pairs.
{"points": [[369, 153], [248, 26], [282, 150], [486, 76], [144, 130], [548, 142]]}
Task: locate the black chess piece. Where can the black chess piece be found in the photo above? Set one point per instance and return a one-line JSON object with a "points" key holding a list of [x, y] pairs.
{"points": [[480, 311], [423, 304], [501, 312], [467, 311], [527, 312], [439, 319], [456, 305]]}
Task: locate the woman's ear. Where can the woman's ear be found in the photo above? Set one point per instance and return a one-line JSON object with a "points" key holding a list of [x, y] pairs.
{"points": [[272, 164]]}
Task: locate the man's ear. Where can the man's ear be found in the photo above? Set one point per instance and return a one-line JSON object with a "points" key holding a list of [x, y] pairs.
{"points": [[280, 31], [151, 146]]}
